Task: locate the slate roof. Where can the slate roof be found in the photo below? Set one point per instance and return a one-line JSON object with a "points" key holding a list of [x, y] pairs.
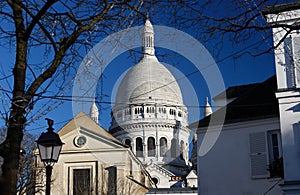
{"points": [[257, 103], [235, 91]]}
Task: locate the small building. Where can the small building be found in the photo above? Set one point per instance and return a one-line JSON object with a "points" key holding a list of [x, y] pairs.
{"points": [[258, 149], [92, 161], [246, 158]]}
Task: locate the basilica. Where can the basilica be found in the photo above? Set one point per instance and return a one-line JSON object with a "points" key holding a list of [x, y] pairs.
{"points": [[149, 116], [145, 150]]}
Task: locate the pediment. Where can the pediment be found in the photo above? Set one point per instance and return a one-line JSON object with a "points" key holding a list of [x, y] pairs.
{"points": [[82, 133], [192, 175]]}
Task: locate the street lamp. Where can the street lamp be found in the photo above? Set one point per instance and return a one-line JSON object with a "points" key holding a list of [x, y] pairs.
{"points": [[49, 145]]}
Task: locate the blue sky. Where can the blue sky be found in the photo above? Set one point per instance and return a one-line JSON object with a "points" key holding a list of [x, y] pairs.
{"points": [[235, 71], [243, 70]]}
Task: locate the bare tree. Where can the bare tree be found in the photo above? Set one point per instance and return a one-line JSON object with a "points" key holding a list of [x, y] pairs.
{"points": [[27, 171], [59, 32], [239, 23]]}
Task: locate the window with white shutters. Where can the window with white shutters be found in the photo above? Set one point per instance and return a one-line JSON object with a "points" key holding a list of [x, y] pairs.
{"points": [[296, 59], [292, 60], [289, 62], [258, 155]]}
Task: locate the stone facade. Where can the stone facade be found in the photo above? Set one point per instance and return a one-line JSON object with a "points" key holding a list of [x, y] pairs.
{"points": [[150, 117], [94, 162]]}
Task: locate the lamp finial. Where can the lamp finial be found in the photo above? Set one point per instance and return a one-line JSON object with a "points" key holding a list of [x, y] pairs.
{"points": [[50, 124]]}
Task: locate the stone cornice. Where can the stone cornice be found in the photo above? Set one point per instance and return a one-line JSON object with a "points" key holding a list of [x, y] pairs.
{"points": [[132, 127]]}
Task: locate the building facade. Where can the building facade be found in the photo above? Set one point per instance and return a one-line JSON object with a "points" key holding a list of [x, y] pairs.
{"points": [[284, 20], [246, 159], [93, 162], [258, 150]]}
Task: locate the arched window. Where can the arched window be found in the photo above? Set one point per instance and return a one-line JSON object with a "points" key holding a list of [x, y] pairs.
{"points": [[179, 114], [163, 146], [139, 147], [181, 148], [151, 146], [173, 148], [128, 142], [172, 112], [119, 114], [155, 180], [128, 111]]}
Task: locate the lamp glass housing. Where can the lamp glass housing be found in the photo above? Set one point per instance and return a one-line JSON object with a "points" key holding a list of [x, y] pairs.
{"points": [[49, 145]]}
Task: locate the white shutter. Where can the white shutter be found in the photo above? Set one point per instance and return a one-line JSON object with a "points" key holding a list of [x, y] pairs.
{"points": [[296, 59], [258, 155], [289, 62]]}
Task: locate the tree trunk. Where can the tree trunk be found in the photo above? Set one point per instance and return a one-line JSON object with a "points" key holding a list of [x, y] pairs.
{"points": [[10, 148], [11, 154]]}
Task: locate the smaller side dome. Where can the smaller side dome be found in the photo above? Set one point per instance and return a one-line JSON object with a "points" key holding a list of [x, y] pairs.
{"points": [[94, 112], [207, 109]]}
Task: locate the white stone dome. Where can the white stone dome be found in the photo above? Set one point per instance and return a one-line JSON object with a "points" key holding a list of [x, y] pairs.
{"points": [[149, 115], [149, 81]]}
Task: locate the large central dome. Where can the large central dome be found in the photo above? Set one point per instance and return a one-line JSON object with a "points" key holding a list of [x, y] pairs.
{"points": [[148, 81], [149, 115]]}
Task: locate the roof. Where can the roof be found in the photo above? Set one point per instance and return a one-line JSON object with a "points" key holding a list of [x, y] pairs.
{"points": [[235, 91], [149, 80], [83, 120], [275, 9], [257, 103]]}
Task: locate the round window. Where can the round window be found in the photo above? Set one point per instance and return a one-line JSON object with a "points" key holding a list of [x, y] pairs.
{"points": [[155, 180], [80, 141]]}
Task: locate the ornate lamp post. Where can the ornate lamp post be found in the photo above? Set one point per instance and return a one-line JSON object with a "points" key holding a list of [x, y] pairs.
{"points": [[49, 145]]}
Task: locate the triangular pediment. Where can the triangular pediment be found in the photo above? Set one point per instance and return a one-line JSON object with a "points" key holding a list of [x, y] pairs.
{"points": [[82, 133], [192, 175]]}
